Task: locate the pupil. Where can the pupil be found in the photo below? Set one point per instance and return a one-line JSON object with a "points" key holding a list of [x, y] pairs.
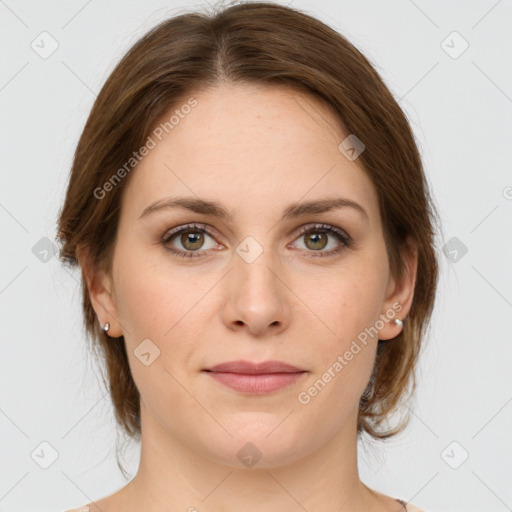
{"points": [[316, 239], [193, 239]]}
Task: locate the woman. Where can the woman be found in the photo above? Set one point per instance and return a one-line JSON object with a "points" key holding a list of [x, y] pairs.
{"points": [[256, 237]]}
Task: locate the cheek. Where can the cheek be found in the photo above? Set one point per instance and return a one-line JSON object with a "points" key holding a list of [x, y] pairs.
{"points": [[343, 304], [154, 305], [345, 347], [153, 302], [168, 307], [342, 363]]}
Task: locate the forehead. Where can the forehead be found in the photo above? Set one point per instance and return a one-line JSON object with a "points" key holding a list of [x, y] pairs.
{"points": [[251, 145]]}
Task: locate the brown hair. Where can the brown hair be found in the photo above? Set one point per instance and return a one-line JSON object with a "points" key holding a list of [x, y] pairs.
{"points": [[269, 44]]}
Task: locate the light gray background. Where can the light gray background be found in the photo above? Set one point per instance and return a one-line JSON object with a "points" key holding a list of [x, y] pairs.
{"points": [[460, 109]]}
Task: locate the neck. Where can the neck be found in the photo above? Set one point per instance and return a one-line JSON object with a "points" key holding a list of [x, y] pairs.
{"points": [[173, 476]]}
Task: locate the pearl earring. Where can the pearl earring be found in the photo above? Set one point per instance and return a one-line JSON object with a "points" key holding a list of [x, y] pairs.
{"points": [[397, 321], [106, 327]]}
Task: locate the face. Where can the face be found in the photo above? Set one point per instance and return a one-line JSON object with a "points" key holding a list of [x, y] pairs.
{"points": [[266, 281]]}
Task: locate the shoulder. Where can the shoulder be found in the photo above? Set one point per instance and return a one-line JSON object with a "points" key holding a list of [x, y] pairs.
{"points": [[412, 508], [409, 507]]}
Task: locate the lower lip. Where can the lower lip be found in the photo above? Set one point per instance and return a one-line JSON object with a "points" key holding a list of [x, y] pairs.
{"points": [[256, 384]]}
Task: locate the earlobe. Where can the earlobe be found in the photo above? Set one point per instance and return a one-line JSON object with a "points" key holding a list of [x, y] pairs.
{"points": [[400, 296], [99, 286]]}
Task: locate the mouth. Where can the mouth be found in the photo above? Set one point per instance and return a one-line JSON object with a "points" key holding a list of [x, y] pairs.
{"points": [[255, 378]]}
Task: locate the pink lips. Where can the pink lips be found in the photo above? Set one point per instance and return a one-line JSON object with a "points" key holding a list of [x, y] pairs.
{"points": [[255, 378]]}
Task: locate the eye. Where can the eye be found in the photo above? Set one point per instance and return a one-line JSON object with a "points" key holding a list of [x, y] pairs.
{"points": [[316, 238], [191, 238]]}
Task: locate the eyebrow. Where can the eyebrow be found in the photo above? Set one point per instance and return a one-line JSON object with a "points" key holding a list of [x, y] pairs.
{"points": [[215, 209]]}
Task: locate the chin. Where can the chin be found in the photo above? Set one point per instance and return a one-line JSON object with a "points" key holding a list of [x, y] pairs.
{"points": [[256, 444]]}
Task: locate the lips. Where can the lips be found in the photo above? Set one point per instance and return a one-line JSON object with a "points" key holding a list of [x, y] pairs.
{"points": [[255, 378], [250, 368]]}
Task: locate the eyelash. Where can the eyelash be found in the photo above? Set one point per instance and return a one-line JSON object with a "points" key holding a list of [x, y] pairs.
{"points": [[345, 240]]}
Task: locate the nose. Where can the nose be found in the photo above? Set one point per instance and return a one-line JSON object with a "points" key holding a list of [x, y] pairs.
{"points": [[257, 299]]}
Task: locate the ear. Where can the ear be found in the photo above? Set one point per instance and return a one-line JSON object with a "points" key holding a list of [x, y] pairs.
{"points": [[100, 287], [399, 294]]}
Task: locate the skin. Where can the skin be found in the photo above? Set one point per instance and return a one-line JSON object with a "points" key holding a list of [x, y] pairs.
{"points": [[255, 150]]}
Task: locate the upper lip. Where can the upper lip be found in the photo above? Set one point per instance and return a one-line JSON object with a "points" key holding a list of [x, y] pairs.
{"points": [[248, 367]]}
